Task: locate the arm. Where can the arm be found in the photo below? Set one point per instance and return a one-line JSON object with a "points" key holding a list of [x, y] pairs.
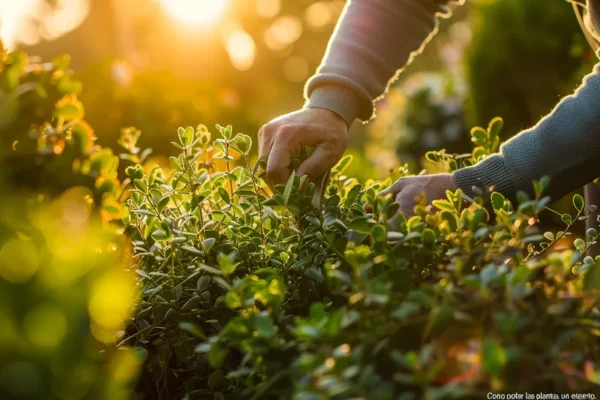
{"points": [[373, 41], [564, 145]]}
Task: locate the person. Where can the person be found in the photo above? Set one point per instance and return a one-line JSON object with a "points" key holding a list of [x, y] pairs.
{"points": [[372, 43]]}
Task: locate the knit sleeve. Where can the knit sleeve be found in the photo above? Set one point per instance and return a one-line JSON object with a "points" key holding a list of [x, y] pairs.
{"points": [[564, 145], [372, 42]]}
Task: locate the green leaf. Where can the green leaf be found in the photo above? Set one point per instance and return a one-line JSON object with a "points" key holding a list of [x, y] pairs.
{"points": [[69, 110], [159, 235], [494, 357], [141, 185], [443, 205], [591, 279], [264, 325], [208, 243], [495, 126], [498, 201], [341, 166], [549, 236], [288, 188], [193, 329], [567, 219], [479, 136], [224, 195], [243, 143], [226, 264], [362, 224], [192, 250], [379, 233], [578, 202]]}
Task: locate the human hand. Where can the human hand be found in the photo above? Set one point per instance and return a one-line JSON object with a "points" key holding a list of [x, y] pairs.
{"points": [[407, 190], [316, 127]]}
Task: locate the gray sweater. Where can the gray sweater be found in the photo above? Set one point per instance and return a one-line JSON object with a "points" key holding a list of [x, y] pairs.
{"points": [[375, 39]]}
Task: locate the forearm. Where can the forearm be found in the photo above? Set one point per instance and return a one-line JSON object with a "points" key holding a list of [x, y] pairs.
{"points": [[564, 145], [373, 41]]}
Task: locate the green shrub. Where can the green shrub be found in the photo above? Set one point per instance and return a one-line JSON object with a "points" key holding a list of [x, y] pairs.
{"points": [[250, 292], [514, 42], [46, 145], [64, 295], [65, 290]]}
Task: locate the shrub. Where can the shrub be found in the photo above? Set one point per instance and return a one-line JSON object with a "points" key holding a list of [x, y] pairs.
{"points": [[515, 41], [65, 291], [252, 292], [64, 294], [46, 145]]}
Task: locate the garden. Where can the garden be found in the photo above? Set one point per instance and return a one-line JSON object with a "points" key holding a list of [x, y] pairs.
{"points": [[144, 255]]}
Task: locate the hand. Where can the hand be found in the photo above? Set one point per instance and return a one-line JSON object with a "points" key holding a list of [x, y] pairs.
{"points": [[408, 190], [316, 127]]}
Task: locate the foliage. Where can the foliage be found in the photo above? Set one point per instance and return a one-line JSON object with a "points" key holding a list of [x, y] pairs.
{"points": [[64, 294], [65, 291], [45, 142], [252, 292], [514, 42], [431, 122]]}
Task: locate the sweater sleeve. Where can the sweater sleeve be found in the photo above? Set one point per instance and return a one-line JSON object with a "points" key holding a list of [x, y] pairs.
{"points": [[372, 41], [564, 145]]}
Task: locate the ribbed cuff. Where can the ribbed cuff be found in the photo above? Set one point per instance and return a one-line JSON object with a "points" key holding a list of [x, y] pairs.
{"points": [[489, 175], [338, 99]]}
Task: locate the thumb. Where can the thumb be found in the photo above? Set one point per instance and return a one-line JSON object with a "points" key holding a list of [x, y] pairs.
{"points": [[395, 188]]}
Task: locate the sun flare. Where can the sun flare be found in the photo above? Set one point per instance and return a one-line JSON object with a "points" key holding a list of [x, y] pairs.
{"points": [[197, 12]]}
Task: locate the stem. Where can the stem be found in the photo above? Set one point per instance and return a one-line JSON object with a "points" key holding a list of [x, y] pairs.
{"points": [[543, 251]]}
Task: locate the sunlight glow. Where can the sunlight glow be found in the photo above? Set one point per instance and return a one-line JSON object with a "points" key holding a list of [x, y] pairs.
{"points": [[241, 50], [29, 21], [197, 12]]}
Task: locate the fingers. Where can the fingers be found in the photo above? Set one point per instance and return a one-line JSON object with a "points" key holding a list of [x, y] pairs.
{"points": [[279, 161], [265, 142], [407, 199], [396, 187], [318, 163]]}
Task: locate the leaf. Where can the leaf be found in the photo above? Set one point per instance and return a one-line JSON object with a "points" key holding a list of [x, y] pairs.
{"points": [[578, 202], [243, 143], [142, 273], [210, 269], [567, 219], [208, 244], [264, 325], [224, 195], [216, 355], [192, 303], [362, 224], [591, 279], [341, 166], [443, 205], [159, 235], [193, 329], [192, 250], [226, 264], [288, 188], [494, 357], [495, 126], [379, 233], [549, 236], [498, 201]]}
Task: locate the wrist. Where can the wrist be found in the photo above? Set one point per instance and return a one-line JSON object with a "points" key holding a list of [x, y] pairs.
{"points": [[338, 99]]}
